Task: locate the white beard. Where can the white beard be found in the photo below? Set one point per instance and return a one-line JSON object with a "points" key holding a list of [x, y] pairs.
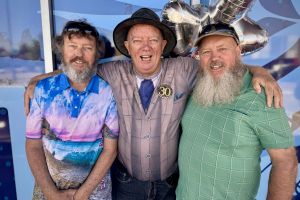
{"points": [[210, 91], [79, 76]]}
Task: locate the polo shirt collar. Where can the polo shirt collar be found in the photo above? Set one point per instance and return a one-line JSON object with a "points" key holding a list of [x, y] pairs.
{"points": [[246, 81], [91, 87], [64, 82]]}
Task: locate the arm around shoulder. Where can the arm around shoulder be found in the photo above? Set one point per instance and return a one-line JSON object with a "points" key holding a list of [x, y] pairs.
{"points": [[262, 78], [37, 78], [28, 94], [188, 68]]}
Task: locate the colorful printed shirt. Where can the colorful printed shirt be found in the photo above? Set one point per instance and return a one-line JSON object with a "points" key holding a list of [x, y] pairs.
{"points": [[220, 147], [72, 125]]}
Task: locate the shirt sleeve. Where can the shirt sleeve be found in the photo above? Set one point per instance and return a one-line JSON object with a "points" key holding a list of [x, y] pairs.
{"points": [[34, 121], [190, 69], [272, 128], [108, 71], [111, 128]]}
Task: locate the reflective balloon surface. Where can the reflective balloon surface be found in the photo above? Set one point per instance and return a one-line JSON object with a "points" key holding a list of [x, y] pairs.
{"points": [[187, 22]]}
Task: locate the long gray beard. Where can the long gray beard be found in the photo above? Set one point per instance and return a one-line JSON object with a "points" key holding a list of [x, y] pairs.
{"points": [[79, 77], [209, 91]]}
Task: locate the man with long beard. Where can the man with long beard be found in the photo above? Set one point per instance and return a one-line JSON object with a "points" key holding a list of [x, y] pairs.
{"points": [[72, 127], [226, 125]]}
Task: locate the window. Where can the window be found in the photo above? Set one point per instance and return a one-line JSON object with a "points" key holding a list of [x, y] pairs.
{"points": [[21, 55]]}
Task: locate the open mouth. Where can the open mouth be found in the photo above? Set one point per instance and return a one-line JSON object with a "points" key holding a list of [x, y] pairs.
{"points": [[145, 58], [216, 65], [79, 62]]}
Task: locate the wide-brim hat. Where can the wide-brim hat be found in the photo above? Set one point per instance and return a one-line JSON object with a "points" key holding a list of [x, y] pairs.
{"points": [[217, 29], [143, 16]]}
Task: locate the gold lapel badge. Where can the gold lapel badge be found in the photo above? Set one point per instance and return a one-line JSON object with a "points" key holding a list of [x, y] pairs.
{"points": [[164, 91]]}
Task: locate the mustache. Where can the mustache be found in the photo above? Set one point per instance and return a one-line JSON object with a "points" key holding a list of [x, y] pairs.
{"points": [[77, 58], [216, 62]]}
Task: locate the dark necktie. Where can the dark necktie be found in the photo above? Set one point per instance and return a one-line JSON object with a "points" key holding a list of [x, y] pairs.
{"points": [[146, 91]]}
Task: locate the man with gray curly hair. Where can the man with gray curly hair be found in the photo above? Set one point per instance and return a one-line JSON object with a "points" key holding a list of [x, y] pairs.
{"points": [[72, 127]]}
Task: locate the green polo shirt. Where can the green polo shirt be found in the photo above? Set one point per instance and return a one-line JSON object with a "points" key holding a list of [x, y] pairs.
{"points": [[220, 147]]}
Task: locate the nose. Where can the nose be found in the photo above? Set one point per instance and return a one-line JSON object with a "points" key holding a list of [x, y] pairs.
{"points": [[79, 52], [146, 45], [215, 55]]}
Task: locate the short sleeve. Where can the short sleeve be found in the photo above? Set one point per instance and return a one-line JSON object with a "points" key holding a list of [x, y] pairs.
{"points": [[111, 120], [272, 128], [34, 121]]}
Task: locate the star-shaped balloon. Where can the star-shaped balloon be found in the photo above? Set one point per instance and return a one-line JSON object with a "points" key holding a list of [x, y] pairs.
{"points": [[187, 22]]}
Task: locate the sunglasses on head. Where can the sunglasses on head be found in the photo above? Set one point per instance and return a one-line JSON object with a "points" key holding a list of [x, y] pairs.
{"points": [[81, 27]]}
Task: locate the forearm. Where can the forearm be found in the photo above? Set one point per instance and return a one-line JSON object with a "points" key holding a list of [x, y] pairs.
{"points": [[262, 78], [38, 166], [256, 69], [282, 181], [100, 169], [260, 73], [37, 78]]}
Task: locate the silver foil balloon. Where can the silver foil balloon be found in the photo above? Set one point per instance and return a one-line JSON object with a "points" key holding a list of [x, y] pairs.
{"points": [[187, 22], [252, 36], [227, 11]]}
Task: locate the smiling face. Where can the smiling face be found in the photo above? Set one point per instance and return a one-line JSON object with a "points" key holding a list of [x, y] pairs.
{"points": [[221, 71], [145, 45], [218, 54], [79, 52], [79, 57]]}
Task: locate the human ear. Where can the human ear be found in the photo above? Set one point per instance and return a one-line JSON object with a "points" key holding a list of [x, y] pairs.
{"points": [[164, 43], [126, 44]]}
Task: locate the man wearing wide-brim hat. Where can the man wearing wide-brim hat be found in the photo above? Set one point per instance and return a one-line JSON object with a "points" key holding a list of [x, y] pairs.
{"points": [[151, 93], [146, 167]]}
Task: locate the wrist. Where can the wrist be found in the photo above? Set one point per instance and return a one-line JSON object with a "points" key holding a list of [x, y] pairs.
{"points": [[51, 193], [81, 195]]}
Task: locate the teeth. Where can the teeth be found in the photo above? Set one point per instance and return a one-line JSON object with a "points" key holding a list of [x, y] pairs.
{"points": [[215, 65], [78, 62], [146, 58]]}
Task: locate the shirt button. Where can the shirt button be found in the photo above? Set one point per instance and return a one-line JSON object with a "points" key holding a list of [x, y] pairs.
{"points": [[75, 106], [147, 136], [148, 155]]}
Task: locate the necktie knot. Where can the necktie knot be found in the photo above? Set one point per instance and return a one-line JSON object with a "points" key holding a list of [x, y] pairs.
{"points": [[146, 91]]}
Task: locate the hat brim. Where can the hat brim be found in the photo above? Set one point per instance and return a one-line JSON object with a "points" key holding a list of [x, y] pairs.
{"points": [[196, 44], [121, 30]]}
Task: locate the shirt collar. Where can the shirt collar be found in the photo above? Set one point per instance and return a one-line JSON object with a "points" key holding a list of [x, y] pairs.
{"points": [[64, 82], [154, 79], [246, 81], [91, 87]]}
